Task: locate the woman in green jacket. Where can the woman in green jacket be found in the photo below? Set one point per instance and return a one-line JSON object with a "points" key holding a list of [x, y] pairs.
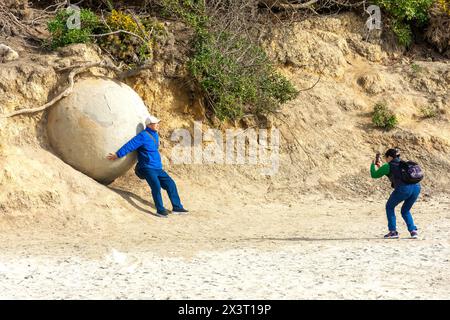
{"points": [[403, 192]]}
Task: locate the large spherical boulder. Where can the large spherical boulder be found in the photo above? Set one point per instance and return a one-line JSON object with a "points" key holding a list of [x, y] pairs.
{"points": [[96, 119]]}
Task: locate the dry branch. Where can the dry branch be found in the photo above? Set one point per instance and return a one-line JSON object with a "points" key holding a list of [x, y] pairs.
{"points": [[277, 4], [120, 31]]}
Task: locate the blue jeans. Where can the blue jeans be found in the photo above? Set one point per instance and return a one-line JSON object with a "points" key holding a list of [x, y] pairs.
{"points": [[157, 179], [407, 193]]}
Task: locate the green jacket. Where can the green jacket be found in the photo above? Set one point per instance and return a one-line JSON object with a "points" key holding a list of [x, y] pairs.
{"points": [[384, 170]]}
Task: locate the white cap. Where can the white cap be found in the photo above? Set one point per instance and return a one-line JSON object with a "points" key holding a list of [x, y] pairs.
{"points": [[151, 119]]}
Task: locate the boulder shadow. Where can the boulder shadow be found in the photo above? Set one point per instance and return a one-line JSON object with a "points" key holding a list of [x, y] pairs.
{"points": [[139, 128]]}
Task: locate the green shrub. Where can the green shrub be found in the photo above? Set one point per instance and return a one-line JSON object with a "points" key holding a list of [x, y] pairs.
{"points": [[232, 87], [404, 15], [403, 32], [383, 117], [192, 12], [428, 112], [133, 47], [445, 6], [61, 35], [234, 73], [416, 68]]}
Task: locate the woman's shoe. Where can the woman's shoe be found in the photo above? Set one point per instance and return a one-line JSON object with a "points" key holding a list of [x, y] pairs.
{"points": [[414, 234], [391, 235]]}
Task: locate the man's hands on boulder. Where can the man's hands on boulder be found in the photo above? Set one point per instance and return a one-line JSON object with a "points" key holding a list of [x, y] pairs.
{"points": [[112, 156]]}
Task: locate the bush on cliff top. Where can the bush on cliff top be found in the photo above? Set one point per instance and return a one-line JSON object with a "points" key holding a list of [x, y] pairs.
{"points": [[62, 35], [233, 72], [405, 14]]}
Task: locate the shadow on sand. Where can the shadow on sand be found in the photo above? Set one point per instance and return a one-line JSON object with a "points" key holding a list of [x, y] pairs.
{"points": [[135, 200], [314, 239]]}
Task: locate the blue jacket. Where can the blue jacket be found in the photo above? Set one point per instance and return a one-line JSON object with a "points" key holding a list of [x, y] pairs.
{"points": [[147, 149]]}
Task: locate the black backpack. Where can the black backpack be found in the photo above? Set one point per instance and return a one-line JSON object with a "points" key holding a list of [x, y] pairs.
{"points": [[411, 172], [138, 173]]}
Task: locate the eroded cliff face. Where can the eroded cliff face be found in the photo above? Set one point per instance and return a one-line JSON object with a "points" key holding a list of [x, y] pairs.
{"points": [[333, 119], [327, 139]]}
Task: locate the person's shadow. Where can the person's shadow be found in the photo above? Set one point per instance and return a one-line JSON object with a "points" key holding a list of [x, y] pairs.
{"points": [[134, 200]]}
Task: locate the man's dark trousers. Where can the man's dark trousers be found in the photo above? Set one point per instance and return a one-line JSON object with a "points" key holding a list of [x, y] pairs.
{"points": [[157, 179]]}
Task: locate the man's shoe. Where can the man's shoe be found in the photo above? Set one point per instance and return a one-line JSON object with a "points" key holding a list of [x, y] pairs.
{"points": [[163, 214], [391, 235], [180, 211], [414, 234]]}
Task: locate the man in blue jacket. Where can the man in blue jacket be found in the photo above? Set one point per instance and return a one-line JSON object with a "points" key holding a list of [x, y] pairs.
{"points": [[146, 143]]}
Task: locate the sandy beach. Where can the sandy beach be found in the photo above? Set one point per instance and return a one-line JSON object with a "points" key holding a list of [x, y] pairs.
{"points": [[329, 251]]}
